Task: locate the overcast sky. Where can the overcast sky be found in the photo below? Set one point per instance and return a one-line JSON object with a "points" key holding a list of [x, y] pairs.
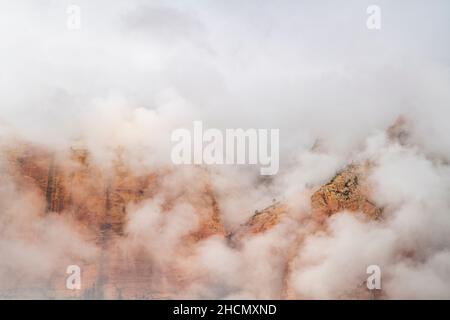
{"points": [[306, 67]]}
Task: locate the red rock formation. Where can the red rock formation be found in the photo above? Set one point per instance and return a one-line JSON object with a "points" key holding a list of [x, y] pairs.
{"points": [[99, 197], [344, 192], [260, 222]]}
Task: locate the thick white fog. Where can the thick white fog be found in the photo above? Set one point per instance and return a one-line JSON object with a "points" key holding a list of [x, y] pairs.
{"points": [[136, 70]]}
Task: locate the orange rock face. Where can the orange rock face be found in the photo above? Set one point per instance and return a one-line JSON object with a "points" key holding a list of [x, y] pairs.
{"points": [[260, 222], [344, 192], [99, 199]]}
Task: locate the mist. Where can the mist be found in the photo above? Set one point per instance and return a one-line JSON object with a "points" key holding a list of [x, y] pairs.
{"points": [[135, 71]]}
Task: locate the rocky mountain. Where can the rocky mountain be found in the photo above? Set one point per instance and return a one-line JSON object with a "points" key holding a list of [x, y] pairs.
{"points": [[98, 199]]}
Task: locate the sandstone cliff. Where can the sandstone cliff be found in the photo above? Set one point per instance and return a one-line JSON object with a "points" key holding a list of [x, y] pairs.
{"points": [[99, 198]]}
